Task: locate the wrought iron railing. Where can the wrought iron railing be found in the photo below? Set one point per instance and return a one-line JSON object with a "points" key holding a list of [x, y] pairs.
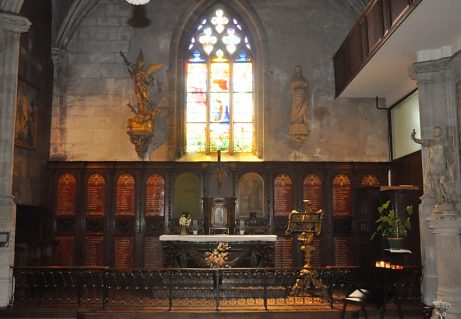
{"points": [[192, 287]]}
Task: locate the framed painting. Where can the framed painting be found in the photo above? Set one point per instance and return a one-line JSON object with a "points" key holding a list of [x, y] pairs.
{"points": [[26, 115]]}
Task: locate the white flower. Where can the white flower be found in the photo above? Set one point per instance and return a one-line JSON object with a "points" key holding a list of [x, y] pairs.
{"points": [[184, 220], [441, 306]]}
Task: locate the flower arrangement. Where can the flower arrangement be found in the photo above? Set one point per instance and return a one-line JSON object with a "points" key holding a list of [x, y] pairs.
{"points": [[218, 257], [185, 220], [441, 307]]}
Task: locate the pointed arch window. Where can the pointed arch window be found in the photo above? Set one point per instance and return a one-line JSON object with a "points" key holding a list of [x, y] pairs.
{"points": [[219, 68]]}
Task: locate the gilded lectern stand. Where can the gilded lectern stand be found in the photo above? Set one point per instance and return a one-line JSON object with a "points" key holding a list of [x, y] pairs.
{"points": [[308, 225]]}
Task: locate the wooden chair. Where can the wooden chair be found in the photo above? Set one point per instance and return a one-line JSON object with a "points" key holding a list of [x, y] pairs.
{"points": [[373, 296]]}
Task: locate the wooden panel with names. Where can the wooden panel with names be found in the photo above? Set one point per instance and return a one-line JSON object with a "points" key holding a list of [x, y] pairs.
{"points": [[283, 252], [342, 196], [64, 251], [96, 188], [369, 180], [317, 255], [155, 196], [312, 190], [153, 253], [124, 248], [94, 250], [343, 251], [66, 194], [125, 195], [283, 195]]}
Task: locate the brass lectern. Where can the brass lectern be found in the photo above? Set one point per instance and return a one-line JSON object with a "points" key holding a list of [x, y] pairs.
{"points": [[308, 225]]}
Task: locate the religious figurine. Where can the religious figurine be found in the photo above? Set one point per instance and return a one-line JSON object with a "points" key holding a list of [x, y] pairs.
{"points": [[144, 112], [439, 170], [298, 129], [140, 126], [298, 90]]}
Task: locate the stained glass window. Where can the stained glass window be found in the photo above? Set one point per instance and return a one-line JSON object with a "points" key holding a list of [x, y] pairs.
{"points": [[219, 83]]}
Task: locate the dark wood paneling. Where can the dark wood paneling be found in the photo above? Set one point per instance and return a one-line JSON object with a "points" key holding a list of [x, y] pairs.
{"points": [[408, 170], [379, 20], [106, 229]]}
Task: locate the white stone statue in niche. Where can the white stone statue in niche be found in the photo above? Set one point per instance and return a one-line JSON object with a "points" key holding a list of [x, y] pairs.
{"points": [[440, 168], [298, 129], [299, 94]]}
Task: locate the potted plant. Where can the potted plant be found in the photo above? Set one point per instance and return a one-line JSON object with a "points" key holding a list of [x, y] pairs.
{"points": [[392, 226]]}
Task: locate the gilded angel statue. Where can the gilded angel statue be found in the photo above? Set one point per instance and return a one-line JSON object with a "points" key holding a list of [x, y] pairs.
{"points": [[141, 79]]}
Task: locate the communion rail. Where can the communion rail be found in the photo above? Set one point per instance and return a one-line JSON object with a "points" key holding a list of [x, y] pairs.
{"points": [[165, 288]]}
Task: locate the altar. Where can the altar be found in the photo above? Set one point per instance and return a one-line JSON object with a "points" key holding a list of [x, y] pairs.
{"points": [[245, 250]]}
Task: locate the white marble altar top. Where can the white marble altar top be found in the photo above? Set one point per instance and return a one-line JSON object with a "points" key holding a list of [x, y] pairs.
{"points": [[218, 238]]}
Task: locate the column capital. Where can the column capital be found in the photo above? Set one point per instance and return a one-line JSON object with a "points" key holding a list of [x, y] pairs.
{"points": [[428, 70], [14, 23]]}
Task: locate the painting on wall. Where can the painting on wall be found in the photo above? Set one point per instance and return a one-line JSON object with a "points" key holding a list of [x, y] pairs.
{"points": [[26, 115], [250, 196]]}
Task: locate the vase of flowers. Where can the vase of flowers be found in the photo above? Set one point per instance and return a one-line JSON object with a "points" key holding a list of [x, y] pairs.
{"points": [[441, 307], [218, 257], [184, 222]]}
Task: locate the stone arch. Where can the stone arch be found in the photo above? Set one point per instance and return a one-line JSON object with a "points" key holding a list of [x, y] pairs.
{"points": [[176, 73]]}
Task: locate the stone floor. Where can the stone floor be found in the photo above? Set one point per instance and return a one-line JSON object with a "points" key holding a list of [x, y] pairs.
{"points": [[410, 311]]}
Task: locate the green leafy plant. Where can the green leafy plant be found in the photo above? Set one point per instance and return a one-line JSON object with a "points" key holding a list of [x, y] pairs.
{"points": [[390, 224]]}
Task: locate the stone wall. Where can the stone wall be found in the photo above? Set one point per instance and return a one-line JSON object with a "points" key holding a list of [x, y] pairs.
{"points": [[35, 68], [91, 122]]}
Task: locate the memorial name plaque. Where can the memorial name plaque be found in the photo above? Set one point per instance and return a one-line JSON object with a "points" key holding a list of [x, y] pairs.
{"points": [[312, 190], [155, 196], [124, 247], [283, 195], [65, 201], [317, 255], [369, 180], [64, 251], [283, 252], [343, 251], [342, 196], [95, 195], [153, 254], [125, 195], [94, 250]]}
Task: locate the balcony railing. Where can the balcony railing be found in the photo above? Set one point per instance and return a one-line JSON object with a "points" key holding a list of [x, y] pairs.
{"points": [[380, 19]]}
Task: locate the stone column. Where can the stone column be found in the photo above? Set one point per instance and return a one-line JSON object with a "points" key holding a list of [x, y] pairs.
{"points": [[59, 111], [440, 226], [11, 26], [447, 228]]}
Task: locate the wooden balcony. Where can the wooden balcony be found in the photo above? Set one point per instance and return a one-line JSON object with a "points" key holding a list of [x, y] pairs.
{"points": [[379, 20]]}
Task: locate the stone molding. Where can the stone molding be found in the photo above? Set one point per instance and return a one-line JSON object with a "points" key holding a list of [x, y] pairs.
{"points": [[13, 6], [74, 16], [14, 23]]}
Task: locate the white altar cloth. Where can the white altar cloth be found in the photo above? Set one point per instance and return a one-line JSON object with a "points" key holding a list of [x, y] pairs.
{"points": [[218, 238]]}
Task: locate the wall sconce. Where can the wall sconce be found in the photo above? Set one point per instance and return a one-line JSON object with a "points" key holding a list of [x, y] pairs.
{"points": [[4, 239]]}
